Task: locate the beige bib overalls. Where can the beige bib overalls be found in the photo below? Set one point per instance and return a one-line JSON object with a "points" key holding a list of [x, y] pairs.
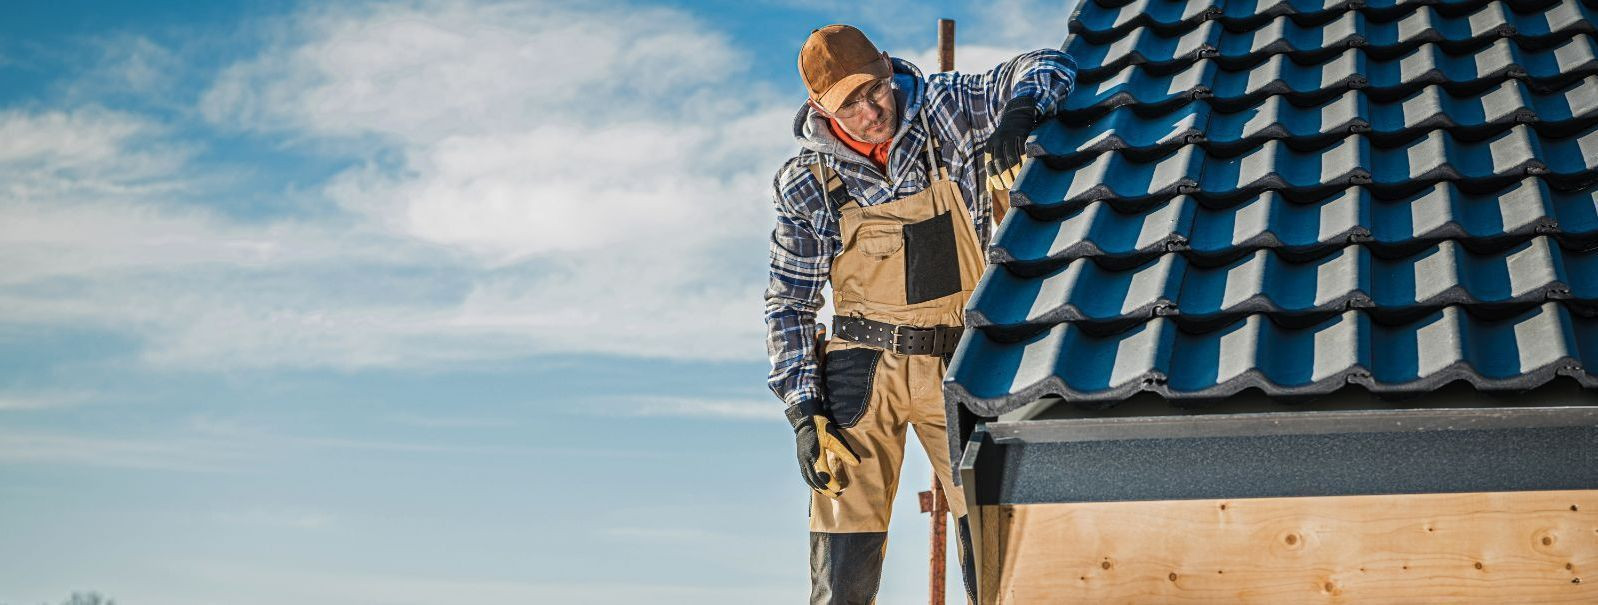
{"points": [[912, 261]]}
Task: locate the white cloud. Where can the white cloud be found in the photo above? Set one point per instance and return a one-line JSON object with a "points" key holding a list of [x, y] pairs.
{"points": [[42, 400], [42, 447], [276, 518], [529, 179], [761, 409], [244, 581], [1003, 29]]}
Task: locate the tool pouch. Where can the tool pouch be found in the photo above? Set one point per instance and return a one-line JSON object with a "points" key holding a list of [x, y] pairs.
{"points": [[848, 375]]}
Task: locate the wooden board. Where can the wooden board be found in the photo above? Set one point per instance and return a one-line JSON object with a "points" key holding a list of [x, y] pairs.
{"points": [[1513, 547]]}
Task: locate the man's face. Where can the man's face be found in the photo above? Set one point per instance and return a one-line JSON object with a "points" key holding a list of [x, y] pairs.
{"points": [[868, 114]]}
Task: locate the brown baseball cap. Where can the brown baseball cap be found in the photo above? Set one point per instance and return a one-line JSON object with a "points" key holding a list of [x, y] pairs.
{"points": [[836, 60]]}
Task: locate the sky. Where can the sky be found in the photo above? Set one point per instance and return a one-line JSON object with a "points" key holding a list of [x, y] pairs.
{"points": [[411, 302]]}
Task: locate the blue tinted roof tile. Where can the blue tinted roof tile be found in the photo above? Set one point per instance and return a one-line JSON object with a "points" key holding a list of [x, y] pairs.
{"points": [[1517, 352], [1297, 196], [1267, 281]]}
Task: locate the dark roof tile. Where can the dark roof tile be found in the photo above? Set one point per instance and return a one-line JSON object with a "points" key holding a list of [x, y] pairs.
{"points": [[1198, 296], [1517, 352], [1299, 195], [1484, 221]]}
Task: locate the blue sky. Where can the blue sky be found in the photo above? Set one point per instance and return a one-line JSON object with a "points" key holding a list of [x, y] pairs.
{"points": [[426, 302]]}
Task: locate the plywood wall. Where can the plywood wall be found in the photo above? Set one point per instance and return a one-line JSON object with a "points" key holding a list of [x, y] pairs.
{"points": [[1522, 547]]}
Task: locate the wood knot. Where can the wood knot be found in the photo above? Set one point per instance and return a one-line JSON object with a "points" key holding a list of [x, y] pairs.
{"points": [[1330, 587], [1171, 577], [1223, 507], [1569, 566], [1548, 541], [1105, 564], [1573, 508], [1291, 539], [1478, 565]]}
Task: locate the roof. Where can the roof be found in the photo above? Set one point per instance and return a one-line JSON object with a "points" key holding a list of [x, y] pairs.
{"points": [[1299, 196]]}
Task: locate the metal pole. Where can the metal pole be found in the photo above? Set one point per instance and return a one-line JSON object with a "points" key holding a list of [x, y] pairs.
{"points": [[945, 44], [933, 501]]}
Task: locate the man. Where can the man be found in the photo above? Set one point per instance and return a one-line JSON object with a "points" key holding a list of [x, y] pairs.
{"points": [[885, 202]]}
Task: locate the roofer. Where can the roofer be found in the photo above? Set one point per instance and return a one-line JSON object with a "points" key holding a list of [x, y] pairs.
{"points": [[897, 221]]}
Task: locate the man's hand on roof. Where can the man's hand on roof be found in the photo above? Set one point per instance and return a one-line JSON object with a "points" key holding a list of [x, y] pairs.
{"points": [[816, 435], [1008, 141]]}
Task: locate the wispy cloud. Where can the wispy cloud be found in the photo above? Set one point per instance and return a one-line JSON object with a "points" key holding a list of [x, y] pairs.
{"points": [[41, 447], [680, 535], [450, 422], [617, 203], [42, 400], [277, 518], [349, 586], [692, 407]]}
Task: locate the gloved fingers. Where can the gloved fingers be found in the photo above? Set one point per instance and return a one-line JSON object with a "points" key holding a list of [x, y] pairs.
{"points": [[832, 441], [827, 479], [1003, 156], [1013, 149], [813, 477]]}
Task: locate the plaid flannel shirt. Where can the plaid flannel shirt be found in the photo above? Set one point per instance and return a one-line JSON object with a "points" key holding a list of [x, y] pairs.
{"points": [[963, 109]]}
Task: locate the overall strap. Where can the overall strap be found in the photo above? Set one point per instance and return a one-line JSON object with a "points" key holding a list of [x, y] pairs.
{"points": [[932, 158], [831, 184]]}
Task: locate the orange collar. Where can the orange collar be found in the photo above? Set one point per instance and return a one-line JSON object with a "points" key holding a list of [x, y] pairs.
{"points": [[878, 153]]}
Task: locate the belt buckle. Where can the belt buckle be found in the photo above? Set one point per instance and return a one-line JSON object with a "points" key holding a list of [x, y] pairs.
{"points": [[897, 333]]}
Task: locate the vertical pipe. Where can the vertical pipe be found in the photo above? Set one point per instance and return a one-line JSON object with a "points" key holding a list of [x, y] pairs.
{"points": [[939, 560], [945, 44], [939, 504]]}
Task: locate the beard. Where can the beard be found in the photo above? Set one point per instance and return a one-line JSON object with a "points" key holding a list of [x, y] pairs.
{"points": [[876, 139]]}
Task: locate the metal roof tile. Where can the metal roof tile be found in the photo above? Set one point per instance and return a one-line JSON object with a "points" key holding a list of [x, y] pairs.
{"points": [[1060, 187], [1198, 297], [1298, 195], [1518, 352], [1242, 12], [1543, 69], [1486, 221], [1384, 37], [1473, 115]]}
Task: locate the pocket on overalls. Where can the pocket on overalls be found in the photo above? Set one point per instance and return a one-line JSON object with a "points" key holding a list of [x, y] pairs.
{"points": [[931, 265], [849, 374], [879, 241]]}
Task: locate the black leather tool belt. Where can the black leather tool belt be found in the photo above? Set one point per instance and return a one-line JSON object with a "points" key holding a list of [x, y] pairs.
{"points": [[905, 340]]}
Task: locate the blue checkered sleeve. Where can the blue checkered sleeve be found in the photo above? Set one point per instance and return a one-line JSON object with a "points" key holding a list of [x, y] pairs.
{"points": [[1046, 76], [801, 260]]}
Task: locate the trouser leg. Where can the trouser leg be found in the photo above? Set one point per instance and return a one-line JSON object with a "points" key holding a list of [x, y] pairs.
{"points": [[931, 424], [845, 569], [849, 535]]}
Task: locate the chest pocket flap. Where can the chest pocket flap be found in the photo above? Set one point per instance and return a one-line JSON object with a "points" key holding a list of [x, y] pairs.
{"points": [[880, 241]]}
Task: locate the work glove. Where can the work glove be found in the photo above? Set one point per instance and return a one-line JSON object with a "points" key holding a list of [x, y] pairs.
{"points": [[815, 434], [1008, 141]]}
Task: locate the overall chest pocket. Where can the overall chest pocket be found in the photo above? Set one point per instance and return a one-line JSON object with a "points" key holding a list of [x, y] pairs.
{"points": [[879, 241]]}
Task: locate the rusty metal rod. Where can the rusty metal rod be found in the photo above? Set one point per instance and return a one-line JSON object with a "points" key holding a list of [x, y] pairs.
{"points": [[934, 501], [945, 44]]}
